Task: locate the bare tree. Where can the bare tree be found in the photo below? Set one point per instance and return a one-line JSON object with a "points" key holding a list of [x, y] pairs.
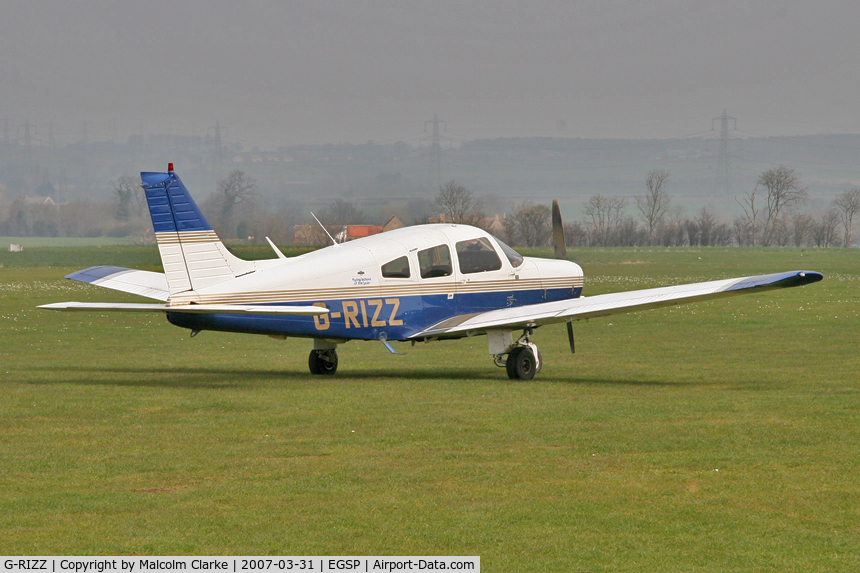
{"points": [[278, 226], [31, 219], [235, 189], [627, 233], [671, 229], [721, 236], [747, 233], [824, 231], [530, 224], [782, 232], [705, 225], [848, 205], [336, 216], [784, 190], [458, 205], [654, 204], [340, 213], [420, 211], [801, 227], [575, 235], [604, 215], [130, 195]]}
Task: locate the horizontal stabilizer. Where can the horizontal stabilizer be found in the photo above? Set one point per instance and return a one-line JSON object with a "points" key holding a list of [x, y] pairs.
{"points": [[188, 308], [615, 303], [143, 283]]}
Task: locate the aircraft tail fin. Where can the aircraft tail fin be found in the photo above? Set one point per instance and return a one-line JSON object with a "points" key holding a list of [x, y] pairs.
{"points": [[192, 254]]}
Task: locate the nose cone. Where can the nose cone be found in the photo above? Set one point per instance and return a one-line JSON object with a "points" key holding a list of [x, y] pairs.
{"points": [[554, 271]]}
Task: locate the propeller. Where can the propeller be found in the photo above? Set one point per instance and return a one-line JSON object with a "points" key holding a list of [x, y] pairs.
{"points": [[558, 232], [561, 253]]}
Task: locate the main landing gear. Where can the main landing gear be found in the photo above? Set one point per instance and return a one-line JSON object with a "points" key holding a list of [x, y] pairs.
{"points": [[522, 359], [323, 358], [323, 361]]}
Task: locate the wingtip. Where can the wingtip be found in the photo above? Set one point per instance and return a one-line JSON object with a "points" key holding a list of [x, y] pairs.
{"points": [[808, 277]]}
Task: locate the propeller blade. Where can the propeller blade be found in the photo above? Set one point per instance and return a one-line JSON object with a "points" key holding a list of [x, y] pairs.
{"points": [[558, 232], [570, 338]]}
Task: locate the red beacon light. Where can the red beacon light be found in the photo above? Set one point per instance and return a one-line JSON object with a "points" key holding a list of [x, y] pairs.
{"points": [[170, 168]]}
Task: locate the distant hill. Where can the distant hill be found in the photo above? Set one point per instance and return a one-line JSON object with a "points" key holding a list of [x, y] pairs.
{"points": [[506, 169]]}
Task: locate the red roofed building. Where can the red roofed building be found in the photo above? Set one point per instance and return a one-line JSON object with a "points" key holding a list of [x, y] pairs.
{"points": [[359, 231]]}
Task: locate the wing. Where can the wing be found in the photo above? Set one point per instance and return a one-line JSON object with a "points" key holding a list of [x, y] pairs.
{"points": [[615, 303], [188, 308], [143, 283]]}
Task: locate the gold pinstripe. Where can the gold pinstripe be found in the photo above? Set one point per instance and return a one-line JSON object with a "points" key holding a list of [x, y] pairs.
{"points": [[188, 237], [261, 297]]}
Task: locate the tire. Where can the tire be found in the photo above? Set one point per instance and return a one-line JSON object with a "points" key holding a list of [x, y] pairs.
{"points": [[323, 362], [521, 364]]}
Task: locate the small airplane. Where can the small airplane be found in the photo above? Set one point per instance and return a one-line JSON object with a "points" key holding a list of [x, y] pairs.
{"points": [[420, 283]]}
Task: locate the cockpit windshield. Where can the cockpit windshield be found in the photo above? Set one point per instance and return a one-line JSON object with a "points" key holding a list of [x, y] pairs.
{"points": [[513, 256]]}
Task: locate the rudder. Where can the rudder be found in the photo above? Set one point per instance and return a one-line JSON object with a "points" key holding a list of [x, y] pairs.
{"points": [[192, 255]]}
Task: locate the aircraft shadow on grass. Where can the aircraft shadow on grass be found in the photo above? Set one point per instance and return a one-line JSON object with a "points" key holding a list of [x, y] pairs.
{"points": [[226, 378]]}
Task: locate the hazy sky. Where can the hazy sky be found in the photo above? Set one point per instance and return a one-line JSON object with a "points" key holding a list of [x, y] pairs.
{"points": [[282, 72]]}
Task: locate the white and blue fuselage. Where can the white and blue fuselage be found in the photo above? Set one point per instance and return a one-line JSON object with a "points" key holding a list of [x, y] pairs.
{"points": [[349, 281]]}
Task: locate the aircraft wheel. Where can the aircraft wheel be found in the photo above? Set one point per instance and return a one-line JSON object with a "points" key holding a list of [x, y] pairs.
{"points": [[323, 362], [521, 364]]}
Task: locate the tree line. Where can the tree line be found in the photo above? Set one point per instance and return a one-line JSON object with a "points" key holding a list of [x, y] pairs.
{"points": [[773, 213]]}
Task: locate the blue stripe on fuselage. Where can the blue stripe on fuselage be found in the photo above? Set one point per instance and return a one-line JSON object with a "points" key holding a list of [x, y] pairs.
{"points": [[397, 318]]}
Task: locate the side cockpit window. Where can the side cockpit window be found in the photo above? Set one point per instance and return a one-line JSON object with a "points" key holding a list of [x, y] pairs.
{"points": [[435, 262], [396, 269], [514, 257], [477, 256]]}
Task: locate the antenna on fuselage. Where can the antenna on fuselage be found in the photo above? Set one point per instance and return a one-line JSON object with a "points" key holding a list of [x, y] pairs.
{"points": [[277, 250], [324, 229]]}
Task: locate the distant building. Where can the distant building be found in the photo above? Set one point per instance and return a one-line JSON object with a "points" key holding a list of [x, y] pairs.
{"points": [[495, 225], [393, 223], [308, 234], [15, 247], [46, 201], [312, 234], [359, 231]]}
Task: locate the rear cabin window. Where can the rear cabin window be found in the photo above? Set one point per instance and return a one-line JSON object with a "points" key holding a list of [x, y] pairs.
{"points": [[435, 262], [396, 269], [477, 256]]}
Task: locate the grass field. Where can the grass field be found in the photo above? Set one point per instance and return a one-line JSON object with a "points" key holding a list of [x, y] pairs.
{"points": [[720, 436], [36, 242]]}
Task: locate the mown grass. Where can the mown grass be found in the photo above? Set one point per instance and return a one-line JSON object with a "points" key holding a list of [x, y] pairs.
{"points": [[31, 242], [720, 436]]}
